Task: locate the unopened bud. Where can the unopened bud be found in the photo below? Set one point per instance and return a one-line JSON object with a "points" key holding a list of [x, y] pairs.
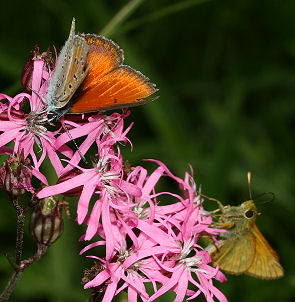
{"points": [[89, 274], [16, 175], [73, 192], [127, 169], [6, 116], [27, 73], [46, 221]]}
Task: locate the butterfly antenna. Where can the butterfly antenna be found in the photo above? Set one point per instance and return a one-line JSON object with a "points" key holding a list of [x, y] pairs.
{"points": [[39, 95], [273, 196], [72, 139], [213, 199], [249, 185]]}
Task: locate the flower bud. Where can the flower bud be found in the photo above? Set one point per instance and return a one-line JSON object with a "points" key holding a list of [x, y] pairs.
{"points": [[46, 222], [89, 274], [127, 169], [75, 191], [16, 175], [17, 114], [27, 73]]}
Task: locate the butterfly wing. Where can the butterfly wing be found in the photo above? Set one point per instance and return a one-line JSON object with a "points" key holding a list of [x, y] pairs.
{"points": [[265, 264], [109, 85], [76, 73], [69, 72], [235, 255], [103, 56]]}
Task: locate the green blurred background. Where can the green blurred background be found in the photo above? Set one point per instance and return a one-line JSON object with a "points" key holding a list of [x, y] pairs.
{"points": [[226, 74]]}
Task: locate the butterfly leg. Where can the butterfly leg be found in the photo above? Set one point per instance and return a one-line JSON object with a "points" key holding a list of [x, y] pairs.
{"points": [[221, 225]]}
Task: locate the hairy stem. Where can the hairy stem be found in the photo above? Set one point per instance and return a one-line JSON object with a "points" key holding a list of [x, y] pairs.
{"points": [[19, 229], [18, 264], [42, 248], [17, 274], [10, 286]]}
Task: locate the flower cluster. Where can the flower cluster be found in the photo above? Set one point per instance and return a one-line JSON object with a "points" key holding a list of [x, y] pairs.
{"points": [[149, 236], [145, 239]]}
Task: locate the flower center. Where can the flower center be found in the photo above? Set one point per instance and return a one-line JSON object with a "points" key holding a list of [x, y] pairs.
{"points": [[35, 122]]}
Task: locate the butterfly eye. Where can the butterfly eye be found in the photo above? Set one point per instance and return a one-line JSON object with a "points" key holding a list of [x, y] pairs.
{"points": [[249, 214]]}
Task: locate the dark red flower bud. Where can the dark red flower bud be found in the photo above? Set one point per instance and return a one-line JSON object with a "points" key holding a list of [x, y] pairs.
{"points": [[27, 73], [127, 169], [90, 274], [46, 221], [16, 175], [99, 291], [73, 192], [18, 114]]}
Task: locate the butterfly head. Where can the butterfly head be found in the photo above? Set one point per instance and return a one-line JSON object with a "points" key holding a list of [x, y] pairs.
{"points": [[249, 210]]}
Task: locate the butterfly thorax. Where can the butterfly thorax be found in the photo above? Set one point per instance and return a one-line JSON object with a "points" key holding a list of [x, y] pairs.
{"points": [[54, 115]]}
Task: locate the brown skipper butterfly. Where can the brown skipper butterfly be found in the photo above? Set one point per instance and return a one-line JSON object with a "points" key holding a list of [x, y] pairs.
{"points": [[243, 249]]}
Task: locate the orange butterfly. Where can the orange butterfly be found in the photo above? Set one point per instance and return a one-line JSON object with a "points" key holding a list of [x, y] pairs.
{"points": [[90, 76]]}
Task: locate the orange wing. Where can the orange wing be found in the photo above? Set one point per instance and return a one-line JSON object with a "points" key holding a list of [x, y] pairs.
{"points": [[103, 56], [235, 255], [109, 85], [265, 264]]}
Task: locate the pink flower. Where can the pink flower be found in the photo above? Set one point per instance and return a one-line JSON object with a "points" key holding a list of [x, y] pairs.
{"points": [[113, 273], [164, 239], [27, 130], [105, 179], [102, 130]]}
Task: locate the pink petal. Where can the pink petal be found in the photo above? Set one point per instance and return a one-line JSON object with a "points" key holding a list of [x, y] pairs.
{"points": [[107, 226], [152, 180], [143, 253], [39, 175], [156, 234], [181, 288], [169, 284], [36, 82], [8, 136], [110, 292], [54, 158], [64, 186], [98, 280], [92, 245], [10, 125], [85, 197], [93, 220], [130, 188]]}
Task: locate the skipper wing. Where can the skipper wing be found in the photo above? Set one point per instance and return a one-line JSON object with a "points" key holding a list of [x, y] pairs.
{"points": [[266, 261], [235, 255]]}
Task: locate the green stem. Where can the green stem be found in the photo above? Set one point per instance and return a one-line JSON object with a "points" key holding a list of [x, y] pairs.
{"points": [[122, 14], [161, 13]]}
